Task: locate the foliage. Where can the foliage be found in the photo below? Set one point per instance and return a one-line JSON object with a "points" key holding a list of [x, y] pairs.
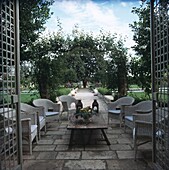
{"points": [[141, 65], [29, 96], [116, 55], [139, 96], [33, 16], [59, 59], [104, 91], [62, 91]]}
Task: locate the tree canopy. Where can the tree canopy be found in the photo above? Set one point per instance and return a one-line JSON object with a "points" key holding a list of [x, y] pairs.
{"points": [[56, 59], [141, 63]]}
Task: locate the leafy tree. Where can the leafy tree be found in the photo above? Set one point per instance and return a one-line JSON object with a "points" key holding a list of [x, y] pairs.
{"points": [[48, 65], [141, 64], [33, 16], [83, 55], [116, 55]]}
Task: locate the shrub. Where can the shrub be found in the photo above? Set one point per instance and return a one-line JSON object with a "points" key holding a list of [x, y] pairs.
{"points": [[105, 91], [62, 91]]}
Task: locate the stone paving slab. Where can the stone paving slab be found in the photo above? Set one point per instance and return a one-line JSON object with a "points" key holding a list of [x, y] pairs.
{"points": [[128, 154], [99, 155], [126, 165], [120, 147], [47, 155], [44, 148], [69, 155], [43, 165], [85, 164]]}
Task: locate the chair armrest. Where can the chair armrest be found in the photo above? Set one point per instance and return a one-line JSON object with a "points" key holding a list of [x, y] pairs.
{"points": [[141, 122], [32, 116], [26, 125], [129, 110], [142, 117], [142, 128], [25, 119], [144, 111], [40, 110]]}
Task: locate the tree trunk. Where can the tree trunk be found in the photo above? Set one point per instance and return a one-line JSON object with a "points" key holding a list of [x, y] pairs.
{"points": [[43, 90], [122, 80], [84, 83]]}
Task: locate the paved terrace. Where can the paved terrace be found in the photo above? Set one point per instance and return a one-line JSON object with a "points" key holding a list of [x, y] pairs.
{"points": [[52, 151]]}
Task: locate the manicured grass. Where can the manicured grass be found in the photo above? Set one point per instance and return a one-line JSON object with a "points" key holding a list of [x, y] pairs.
{"points": [[29, 97]]}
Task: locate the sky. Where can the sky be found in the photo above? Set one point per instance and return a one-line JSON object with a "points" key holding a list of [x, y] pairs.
{"points": [[111, 16]]}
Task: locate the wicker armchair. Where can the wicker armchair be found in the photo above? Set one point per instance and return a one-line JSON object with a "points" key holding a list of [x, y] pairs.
{"points": [[29, 130], [141, 107], [142, 131], [28, 125], [52, 110], [41, 117], [68, 103], [116, 108]]}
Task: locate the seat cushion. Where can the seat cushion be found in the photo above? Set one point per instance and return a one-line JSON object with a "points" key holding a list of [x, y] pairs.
{"points": [[114, 111], [9, 130], [41, 118], [51, 114], [33, 128], [130, 118]]}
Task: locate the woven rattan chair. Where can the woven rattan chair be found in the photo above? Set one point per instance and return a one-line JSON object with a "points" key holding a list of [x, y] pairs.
{"points": [[141, 107], [142, 131], [29, 130], [52, 110], [41, 117], [68, 103], [28, 124], [115, 109]]}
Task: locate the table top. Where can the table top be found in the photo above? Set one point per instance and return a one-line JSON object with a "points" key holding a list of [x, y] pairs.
{"points": [[95, 122]]}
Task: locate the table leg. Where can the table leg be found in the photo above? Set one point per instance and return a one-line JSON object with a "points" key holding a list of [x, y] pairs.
{"points": [[71, 138], [105, 137]]}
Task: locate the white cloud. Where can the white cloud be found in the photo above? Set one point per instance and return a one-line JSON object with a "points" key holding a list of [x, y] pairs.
{"points": [[91, 16], [124, 4]]}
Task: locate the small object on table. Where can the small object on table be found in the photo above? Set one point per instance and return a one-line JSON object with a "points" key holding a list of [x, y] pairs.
{"points": [[95, 106], [79, 106]]}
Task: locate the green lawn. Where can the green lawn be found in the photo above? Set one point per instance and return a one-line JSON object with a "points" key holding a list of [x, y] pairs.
{"points": [[29, 97]]}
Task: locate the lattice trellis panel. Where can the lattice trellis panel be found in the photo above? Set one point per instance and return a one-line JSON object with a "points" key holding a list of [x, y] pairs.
{"points": [[8, 121], [161, 37]]}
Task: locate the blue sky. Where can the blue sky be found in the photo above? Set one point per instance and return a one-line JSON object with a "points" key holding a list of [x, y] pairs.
{"points": [[94, 15]]}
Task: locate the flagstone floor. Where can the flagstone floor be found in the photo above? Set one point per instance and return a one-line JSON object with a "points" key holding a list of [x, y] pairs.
{"points": [[53, 153]]}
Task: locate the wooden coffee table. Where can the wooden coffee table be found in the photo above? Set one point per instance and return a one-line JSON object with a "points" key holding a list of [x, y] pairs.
{"points": [[97, 122]]}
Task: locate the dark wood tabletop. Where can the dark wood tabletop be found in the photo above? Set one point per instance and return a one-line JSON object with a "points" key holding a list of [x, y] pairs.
{"points": [[95, 122]]}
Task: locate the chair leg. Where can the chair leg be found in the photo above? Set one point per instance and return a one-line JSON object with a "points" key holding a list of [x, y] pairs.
{"points": [[39, 135], [30, 147], [45, 128], [135, 147], [36, 139]]}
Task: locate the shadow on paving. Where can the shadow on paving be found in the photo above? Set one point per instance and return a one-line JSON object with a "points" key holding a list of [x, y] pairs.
{"points": [[89, 150]]}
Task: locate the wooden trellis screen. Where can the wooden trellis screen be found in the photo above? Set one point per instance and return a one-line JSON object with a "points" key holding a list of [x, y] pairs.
{"points": [[160, 63], [10, 150]]}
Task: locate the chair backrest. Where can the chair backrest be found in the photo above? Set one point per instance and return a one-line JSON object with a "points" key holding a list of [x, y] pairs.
{"points": [[144, 105], [127, 100], [26, 107], [69, 99], [46, 103], [28, 111]]}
